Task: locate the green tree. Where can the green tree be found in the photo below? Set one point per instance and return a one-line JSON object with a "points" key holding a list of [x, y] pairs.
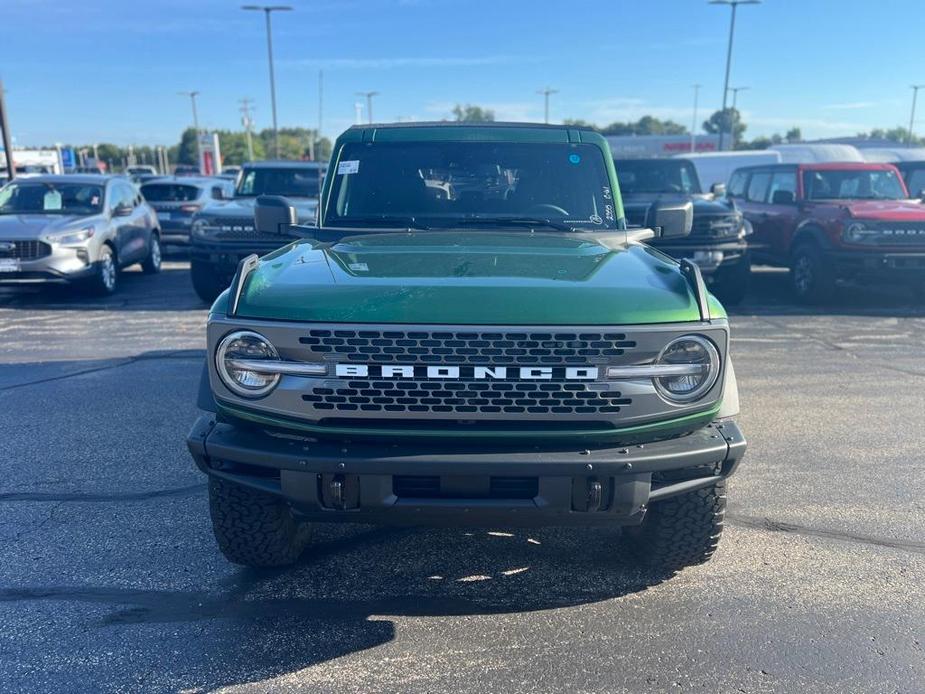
{"points": [[186, 152], [473, 114], [794, 135], [728, 121], [647, 125]]}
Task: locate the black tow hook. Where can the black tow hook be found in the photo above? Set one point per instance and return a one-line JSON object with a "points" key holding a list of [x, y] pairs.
{"points": [[595, 495]]}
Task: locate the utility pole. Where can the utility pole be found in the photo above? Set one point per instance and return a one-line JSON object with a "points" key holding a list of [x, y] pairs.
{"points": [[694, 119], [358, 112], [732, 27], [369, 104], [546, 92], [735, 96], [915, 94], [248, 122], [268, 10], [7, 140], [192, 97], [320, 104]]}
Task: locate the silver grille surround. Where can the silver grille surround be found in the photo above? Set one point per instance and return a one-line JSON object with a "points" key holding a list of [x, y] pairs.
{"points": [[611, 403]]}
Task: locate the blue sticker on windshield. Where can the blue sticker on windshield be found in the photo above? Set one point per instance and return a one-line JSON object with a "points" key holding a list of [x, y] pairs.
{"points": [[574, 158]]}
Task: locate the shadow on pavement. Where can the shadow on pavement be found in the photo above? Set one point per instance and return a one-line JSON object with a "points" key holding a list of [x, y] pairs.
{"points": [[263, 624]]}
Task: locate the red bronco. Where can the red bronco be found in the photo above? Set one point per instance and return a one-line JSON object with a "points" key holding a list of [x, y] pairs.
{"points": [[834, 221]]}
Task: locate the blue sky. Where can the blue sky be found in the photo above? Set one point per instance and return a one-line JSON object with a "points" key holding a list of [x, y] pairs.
{"points": [[108, 70]]}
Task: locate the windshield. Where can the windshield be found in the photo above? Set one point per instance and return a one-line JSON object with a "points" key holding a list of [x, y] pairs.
{"points": [[296, 183], [857, 184], [657, 176], [33, 197], [442, 184], [169, 192]]}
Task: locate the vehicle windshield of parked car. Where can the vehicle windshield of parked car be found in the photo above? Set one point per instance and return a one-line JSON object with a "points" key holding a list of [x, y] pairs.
{"points": [[33, 197], [853, 184], [169, 192], [472, 184], [657, 176], [292, 182]]}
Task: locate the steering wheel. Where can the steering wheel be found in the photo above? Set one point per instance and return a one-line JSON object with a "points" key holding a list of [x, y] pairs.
{"points": [[547, 207]]}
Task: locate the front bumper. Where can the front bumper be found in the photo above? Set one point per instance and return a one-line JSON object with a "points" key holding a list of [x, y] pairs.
{"points": [[710, 257], [888, 266], [337, 481], [63, 265]]}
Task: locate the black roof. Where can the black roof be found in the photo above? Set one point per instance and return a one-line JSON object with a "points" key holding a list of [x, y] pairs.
{"points": [[284, 163], [466, 124]]}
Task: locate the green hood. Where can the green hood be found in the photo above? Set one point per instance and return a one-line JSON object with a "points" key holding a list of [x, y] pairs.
{"points": [[469, 278]]}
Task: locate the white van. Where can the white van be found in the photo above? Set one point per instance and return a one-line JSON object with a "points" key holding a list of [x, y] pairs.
{"points": [[816, 153], [889, 155], [717, 167]]}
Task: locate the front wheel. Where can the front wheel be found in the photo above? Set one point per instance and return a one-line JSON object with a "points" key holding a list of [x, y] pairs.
{"points": [[205, 280], [255, 528], [680, 531], [811, 278], [105, 281], [152, 264], [730, 284]]}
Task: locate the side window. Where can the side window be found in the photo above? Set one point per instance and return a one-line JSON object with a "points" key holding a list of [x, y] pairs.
{"points": [[737, 184], [783, 181], [758, 187], [915, 182]]}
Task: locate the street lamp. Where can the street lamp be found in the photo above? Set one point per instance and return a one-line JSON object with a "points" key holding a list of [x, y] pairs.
{"points": [[192, 97], [732, 26], [696, 88], [369, 104], [915, 93], [267, 10], [546, 92], [735, 97]]}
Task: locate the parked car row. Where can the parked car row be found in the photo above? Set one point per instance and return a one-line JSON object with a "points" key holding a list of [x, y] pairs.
{"points": [[826, 222]]}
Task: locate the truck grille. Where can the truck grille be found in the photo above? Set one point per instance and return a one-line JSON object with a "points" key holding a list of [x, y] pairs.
{"points": [[233, 229], [482, 348], [899, 233], [24, 250], [715, 225], [471, 397]]}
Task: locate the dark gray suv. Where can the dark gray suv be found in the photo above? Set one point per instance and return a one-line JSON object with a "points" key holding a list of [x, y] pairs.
{"points": [[177, 200]]}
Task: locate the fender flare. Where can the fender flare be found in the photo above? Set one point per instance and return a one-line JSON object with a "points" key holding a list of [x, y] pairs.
{"points": [[812, 233]]}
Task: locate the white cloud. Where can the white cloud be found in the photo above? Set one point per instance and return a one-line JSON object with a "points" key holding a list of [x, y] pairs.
{"points": [[851, 106]]}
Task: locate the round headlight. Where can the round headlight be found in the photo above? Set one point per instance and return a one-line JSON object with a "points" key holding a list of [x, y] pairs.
{"points": [[697, 352], [198, 227], [239, 347]]}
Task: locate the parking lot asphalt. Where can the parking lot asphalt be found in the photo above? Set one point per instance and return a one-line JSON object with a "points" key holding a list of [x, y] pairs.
{"points": [[110, 580]]}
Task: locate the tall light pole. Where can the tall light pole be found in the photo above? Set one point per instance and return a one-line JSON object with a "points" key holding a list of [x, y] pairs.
{"points": [[694, 119], [915, 94], [192, 97], [369, 104], [268, 10], [732, 27], [546, 92], [7, 139], [735, 96], [247, 120]]}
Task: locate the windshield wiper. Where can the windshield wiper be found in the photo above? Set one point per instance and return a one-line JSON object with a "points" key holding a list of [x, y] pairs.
{"points": [[514, 222], [390, 222]]}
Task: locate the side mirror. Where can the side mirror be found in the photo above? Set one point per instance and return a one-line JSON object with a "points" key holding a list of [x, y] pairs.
{"points": [[718, 190], [674, 219], [272, 213], [783, 197], [122, 210], [218, 193]]}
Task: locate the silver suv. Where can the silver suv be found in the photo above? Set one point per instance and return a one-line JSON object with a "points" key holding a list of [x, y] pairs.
{"points": [[75, 228]]}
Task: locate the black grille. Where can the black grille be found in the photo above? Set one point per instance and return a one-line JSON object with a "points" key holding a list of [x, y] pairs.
{"points": [[432, 487], [899, 233], [233, 228], [24, 250], [460, 398], [482, 348], [715, 225]]}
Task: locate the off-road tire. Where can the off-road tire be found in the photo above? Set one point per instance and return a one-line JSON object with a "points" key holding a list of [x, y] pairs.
{"points": [[731, 283], [205, 282], [105, 280], [680, 531], [811, 277], [151, 265], [254, 528]]}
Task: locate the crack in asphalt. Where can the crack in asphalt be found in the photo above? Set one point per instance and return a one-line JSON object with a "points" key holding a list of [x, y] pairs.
{"points": [[764, 523], [112, 364], [98, 497]]}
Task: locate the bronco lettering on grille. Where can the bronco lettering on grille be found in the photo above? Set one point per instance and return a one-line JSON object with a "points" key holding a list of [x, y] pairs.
{"points": [[474, 373]]}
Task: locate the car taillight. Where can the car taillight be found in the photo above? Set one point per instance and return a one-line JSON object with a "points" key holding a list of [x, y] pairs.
{"points": [[190, 208]]}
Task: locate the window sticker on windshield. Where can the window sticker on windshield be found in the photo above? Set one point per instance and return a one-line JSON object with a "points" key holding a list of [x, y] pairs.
{"points": [[348, 167], [574, 158], [51, 201], [359, 267]]}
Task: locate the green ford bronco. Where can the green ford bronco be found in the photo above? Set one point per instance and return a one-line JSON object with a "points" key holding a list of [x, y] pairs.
{"points": [[470, 336]]}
